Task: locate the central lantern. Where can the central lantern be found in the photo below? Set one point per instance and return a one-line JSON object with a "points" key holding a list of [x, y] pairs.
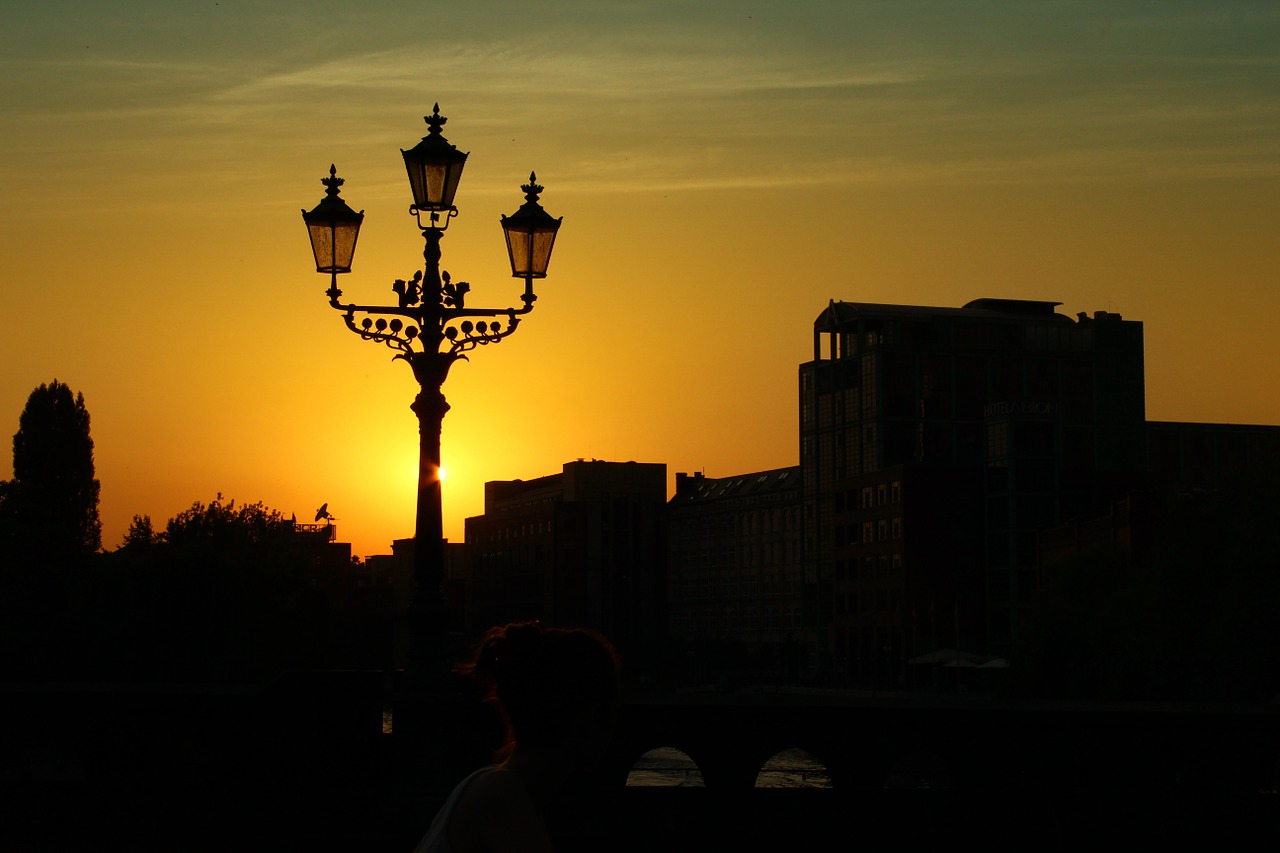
{"points": [[434, 167]]}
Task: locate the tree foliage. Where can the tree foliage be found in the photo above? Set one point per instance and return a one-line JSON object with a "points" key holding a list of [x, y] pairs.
{"points": [[141, 534], [50, 507], [221, 525], [227, 592]]}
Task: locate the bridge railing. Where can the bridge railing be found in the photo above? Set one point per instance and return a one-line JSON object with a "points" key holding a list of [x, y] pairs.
{"points": [[307, 763]]}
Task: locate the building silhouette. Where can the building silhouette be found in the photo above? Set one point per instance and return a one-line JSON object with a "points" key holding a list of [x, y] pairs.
{"points": [[736, 580], [394, 573], [934, 443], [1183, 457], [583, 547], [951, 459]]}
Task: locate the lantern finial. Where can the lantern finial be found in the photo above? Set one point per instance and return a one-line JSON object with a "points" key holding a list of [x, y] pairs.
{"points": [[332, 182], [435, 121], [532, 189]]}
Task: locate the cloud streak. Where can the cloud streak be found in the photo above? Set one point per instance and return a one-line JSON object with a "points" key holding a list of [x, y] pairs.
{"points": [[664, 107]]}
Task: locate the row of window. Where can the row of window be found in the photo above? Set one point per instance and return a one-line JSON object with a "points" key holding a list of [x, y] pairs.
{"points": [[869, 532], [750, 554], [515, 531], [756, 521], [875, 567], [716, 589], [719, 623], [881, 494], [879, 601]]}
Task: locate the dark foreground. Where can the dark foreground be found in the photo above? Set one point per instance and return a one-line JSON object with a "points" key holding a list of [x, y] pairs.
{"points": [[303, 764]]}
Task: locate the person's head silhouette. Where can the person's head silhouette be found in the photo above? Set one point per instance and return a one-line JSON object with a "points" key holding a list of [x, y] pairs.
{"points": [[557, 691], [555, 688]]}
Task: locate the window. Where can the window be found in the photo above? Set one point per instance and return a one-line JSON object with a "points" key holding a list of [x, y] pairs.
{"points": [[997, 440]]}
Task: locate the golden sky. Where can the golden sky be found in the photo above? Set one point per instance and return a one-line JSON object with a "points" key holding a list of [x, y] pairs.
{"points": [[723, 169]]}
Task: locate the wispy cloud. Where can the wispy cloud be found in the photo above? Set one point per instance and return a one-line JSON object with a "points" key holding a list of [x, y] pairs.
{"points": [[835, 97]]}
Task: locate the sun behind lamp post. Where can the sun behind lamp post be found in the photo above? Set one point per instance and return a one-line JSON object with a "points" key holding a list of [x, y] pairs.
{"points": [[430, 328]]}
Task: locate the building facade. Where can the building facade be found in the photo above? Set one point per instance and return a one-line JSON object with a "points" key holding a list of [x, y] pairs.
{"points": [[1210, 457], [735, 562], [934, 443], [579, 548]]}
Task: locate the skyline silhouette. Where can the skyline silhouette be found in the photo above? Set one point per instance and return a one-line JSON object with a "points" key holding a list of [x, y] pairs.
{"points": [[1117, 159]]}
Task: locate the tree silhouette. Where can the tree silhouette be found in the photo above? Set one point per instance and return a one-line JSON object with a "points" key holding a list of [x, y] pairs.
{"points": [[49, 532], [222, 526], [50, 507], [141, 534], [228, 591]]}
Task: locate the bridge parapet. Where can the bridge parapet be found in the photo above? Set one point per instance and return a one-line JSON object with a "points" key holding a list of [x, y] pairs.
{"points": [[919, 742], [307, 761]]}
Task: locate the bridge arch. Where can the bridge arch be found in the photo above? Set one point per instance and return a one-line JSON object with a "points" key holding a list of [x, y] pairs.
{"points": [[665, 767], [793, 768]]}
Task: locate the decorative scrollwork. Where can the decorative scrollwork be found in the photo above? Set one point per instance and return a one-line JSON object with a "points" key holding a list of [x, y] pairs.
{"points": [[466, 336], [430, 322], [395, 333]]}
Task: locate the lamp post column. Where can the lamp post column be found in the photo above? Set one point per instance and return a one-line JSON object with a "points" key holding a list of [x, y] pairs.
{"points": [[428, 613]]}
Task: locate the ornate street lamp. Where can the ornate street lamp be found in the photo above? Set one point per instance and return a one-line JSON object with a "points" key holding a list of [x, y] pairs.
{"points": [[333, 228], [430, 328]]}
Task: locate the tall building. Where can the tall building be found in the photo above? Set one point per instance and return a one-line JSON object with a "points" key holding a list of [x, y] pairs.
{"points": [[934, 442], [581, 548], [735, 562]]}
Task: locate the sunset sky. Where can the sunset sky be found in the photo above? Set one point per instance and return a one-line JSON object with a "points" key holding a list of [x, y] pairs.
{"points": [[723, 170]]}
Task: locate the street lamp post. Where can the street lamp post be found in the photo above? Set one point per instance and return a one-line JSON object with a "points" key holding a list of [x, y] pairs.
{"points": [[430, 328]]}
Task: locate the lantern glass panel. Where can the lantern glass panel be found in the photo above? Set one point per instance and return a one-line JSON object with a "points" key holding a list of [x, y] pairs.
{"points": [[540, 255], [334, 245], [434, 175], [530, 252], [518, 243]]}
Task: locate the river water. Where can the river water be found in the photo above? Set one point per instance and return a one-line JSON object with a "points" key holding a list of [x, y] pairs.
{"points": [[671, 768]]}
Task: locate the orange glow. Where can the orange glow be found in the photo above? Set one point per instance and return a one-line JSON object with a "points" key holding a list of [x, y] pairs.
{"points": [[773, 160]]}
